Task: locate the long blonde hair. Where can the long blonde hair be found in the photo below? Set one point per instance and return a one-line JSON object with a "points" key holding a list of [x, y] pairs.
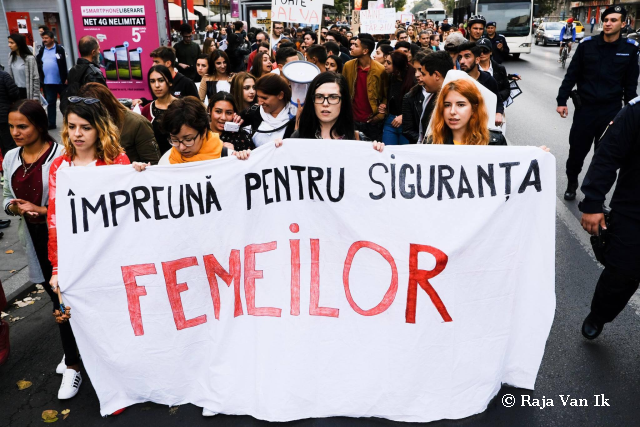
{"points": [[107, 146], [477, 132]]}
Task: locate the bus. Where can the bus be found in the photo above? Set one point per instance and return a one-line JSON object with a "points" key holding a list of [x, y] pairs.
{"points": [[421, 16], [514, 20], [436, 15]]}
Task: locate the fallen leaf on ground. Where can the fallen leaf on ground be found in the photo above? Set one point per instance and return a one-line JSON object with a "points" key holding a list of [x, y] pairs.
{"points": [[22, 384], [12, 271], [27, 299], [3, 314], [37, 298], [39, 287], [10, 251], [21, 304], [40, 291], [50, 416], [65, 413], [15, 319], [174, 410]]}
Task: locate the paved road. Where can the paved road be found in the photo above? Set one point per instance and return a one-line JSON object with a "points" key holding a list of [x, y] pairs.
{"points": [[571, 365]]}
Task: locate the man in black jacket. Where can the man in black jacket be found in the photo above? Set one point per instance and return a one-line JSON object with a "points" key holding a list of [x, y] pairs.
{"points": [[52, 67], [236, 49], [491, 66], [85, 71], [618, 151], [605, 70], [469, 59], [417, 105]]}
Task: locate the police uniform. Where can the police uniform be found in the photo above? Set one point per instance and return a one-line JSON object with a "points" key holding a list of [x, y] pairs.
{"points": [[498, 55], [604, 73], [619, 149]]}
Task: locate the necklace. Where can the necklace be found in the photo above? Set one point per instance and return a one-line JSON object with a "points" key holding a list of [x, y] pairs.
{"points": [[26, 169]]}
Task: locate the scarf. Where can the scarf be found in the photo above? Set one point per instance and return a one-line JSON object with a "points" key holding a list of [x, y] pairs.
{"points": [[273, 127], [211, 149]]}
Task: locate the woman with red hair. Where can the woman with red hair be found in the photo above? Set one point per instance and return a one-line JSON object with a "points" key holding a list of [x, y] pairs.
{"points": [[460, 117]]}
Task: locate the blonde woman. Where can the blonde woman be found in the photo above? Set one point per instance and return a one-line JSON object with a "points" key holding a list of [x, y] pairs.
{"points": [[90, 139]]}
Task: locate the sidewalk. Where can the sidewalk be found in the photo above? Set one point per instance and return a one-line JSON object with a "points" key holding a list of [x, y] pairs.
{"points": [[14, 272]]}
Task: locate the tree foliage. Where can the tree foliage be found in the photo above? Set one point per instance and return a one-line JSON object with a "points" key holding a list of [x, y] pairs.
{"points": [[399, 4], [421, 5]]}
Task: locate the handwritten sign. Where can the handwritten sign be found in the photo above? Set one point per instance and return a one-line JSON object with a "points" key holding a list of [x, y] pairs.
{"points": [[408, 284], [378, 21], [302, 11]]}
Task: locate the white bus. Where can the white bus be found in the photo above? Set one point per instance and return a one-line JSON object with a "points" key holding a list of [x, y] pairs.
{"points": [[514, 20], [436, 14]]}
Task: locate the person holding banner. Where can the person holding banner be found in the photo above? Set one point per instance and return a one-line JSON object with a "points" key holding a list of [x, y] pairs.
{"points": [[222, 109], [187, 124], [90, 139], [332, 114], [460, 117]]}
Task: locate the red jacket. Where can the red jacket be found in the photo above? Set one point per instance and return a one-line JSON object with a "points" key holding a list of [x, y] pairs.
{"points": [[122, 159]]}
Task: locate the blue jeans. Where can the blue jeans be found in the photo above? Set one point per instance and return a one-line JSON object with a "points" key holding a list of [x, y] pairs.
{"points": [[391, 135], [51, 93]]}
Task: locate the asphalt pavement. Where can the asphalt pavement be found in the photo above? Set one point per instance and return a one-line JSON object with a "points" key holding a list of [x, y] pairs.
{"points": [[572, 366]]}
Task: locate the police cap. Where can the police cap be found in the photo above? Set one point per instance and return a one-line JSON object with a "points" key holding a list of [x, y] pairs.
{"points": [[491, 24], [614, 9]]}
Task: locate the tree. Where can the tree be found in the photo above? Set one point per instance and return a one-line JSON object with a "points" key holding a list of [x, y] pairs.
{"points": [[399, 4], [421, 5], [546, 7]]}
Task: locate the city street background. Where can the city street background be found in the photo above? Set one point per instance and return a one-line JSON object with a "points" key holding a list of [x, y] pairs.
{"points": [[571, 365]]}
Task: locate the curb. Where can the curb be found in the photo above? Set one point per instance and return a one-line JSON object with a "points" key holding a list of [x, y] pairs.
{"points": [[17, 284]]}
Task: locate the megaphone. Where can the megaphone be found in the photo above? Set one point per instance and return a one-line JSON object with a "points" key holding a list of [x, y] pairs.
{"points": [[300, 74]]}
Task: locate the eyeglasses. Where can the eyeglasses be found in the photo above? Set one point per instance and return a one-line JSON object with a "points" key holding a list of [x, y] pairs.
{"points": [[88, 101], [187, 142], [331, 99]]}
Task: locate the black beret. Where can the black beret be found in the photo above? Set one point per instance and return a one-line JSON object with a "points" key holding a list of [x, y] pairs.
{"points": [[614, 9]]}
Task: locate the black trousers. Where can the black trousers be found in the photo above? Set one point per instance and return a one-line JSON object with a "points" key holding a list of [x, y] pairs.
{"points": [[40, 237], [621, 276], [51, 93], [6, 140], [589, 123]]}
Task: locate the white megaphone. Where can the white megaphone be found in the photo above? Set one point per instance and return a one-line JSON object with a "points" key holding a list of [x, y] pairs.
{"points": [[300, 74]]}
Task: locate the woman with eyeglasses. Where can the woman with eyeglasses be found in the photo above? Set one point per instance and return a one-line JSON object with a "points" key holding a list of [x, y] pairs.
{"points": [[160, 81], [262, 64], [90, 139], [217, 78], [26, 193], [222, 110], [332, 115], [243, 90], [190, 137]]}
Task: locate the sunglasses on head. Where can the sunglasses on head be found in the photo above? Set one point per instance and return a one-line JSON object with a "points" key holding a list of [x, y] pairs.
{"points": [[88, 101]]}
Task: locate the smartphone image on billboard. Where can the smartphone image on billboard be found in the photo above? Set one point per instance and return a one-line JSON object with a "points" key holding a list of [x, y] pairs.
{"points": [[136, 64], [122, 57], [110, 65]]}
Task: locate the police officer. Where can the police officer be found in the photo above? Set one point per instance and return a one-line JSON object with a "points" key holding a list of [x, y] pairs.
{"points": [[605, 68], [619, 148], [500, 48]]}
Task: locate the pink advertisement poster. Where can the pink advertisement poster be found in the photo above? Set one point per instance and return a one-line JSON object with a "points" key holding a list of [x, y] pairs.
{"points": [[128, 32]]}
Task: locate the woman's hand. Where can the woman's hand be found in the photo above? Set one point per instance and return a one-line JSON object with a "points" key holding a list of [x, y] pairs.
{"points": [[23, 207], [242, 155], [139, 166], [382, 109], [397, 122], [545, 148], [378, 146], [237, 119], [54, 282], [298, 114], [278, 142]]}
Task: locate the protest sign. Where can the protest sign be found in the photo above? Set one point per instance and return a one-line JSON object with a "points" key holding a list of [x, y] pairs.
{"points": [[301, 11], [322, 278], [378, 21]]}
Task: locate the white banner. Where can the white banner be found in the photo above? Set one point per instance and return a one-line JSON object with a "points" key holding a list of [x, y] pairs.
{"points": [[301, 11], [318, 279], [378, 21]]}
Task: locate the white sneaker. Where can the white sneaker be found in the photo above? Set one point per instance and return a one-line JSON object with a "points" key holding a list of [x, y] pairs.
{"points": [[62, 366], [207, 413], [71, 381]]}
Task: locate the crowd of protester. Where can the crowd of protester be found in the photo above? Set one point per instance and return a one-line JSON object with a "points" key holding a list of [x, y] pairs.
{"points": [[228, 96]]}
